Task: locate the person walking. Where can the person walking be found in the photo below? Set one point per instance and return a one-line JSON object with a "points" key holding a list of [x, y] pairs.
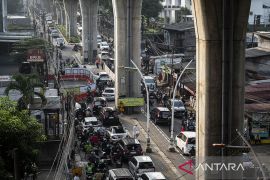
{"points": [[102, 65], [136, 131], [97, 62]]}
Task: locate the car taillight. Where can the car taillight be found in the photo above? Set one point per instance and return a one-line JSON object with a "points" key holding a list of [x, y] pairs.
{"points": [[126, 151]]}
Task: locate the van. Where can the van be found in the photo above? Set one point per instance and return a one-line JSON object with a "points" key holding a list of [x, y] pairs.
{"points": [[119, 174], [185, 141], [150, 82], [140, 164]]}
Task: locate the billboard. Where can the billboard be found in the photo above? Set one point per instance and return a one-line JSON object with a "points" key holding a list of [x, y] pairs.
{"points": [[35, 55]]}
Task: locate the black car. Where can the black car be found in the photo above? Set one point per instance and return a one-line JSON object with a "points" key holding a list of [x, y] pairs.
{"points": [[129, 147], [179, 107], [161, 115], [109, 116], [98, 104]]}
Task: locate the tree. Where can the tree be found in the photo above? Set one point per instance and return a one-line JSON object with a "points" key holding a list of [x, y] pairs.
{"points": [[18, 130], [182, 13], [19, 49], [25, 84], [151, 8]]}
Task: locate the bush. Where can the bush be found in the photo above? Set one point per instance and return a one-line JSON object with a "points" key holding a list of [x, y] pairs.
{"points": [[74, 39]]}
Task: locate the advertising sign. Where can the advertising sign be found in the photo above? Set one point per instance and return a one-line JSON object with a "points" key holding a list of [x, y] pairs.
{"points": [[132, 102], [35, 55]]}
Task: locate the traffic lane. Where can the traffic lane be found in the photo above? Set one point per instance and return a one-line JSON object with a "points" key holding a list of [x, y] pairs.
{"points": [[156, 135], [160, 164]]}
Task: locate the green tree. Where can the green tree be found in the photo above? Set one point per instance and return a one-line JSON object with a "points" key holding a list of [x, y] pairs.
{"points": [[25, 84], [19, 49], [181, 13], [151, 8], [18, 131]]}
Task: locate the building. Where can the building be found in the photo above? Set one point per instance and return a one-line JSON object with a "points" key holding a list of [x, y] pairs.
{"points": [[259, 12], [171, 7], [182, 37]]}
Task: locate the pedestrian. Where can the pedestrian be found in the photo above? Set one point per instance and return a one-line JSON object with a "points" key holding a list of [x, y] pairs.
{"points": [[136, 131], [160, 77], [102, 65], [97, 62]]}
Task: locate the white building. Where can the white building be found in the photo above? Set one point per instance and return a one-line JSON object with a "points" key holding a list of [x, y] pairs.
{"points": [[260, 11], [171, 6]]}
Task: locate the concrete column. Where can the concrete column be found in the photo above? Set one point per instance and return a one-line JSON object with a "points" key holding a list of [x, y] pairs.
{"points": [[3, 15], [71, 7], [127, 43], [210, 94], [89, 32]]}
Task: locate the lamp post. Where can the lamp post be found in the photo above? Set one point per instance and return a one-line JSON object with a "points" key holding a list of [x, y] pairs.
{"points": [[172, 146], [148, 148]]}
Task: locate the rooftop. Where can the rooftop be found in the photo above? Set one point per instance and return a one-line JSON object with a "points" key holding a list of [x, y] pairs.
{"points": [[180, 27], [257, 52]]}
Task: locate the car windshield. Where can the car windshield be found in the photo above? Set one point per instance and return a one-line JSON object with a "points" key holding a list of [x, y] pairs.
{"points": [[109, 91], [149, 81], [165, 114], [134, 147], [191, 140], [119, 130], [97, 103], [178, 104], [87, 123], [94, 122], [146, 165]]}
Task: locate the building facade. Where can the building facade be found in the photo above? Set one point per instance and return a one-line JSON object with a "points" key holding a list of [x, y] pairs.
{"points": [[259, 12]]}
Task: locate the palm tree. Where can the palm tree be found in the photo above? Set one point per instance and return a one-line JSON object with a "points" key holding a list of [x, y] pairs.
{"points": [[25, 84]]}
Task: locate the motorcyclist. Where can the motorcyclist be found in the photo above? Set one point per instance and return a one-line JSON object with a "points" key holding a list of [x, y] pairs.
{"points": [[192, 151]]}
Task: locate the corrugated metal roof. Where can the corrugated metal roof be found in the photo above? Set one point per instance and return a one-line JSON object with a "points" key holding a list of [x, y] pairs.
{"points": [[180, 27], [257, 52], [262, 107]]}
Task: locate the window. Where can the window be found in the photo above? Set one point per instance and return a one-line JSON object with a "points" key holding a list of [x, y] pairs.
{"points": [[191, 140], [251, 13], [183, 137], [144, 177], [146, 165], [133, 161]]}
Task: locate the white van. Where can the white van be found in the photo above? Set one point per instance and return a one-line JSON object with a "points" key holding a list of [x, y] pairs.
{"points": [[185, 140]]}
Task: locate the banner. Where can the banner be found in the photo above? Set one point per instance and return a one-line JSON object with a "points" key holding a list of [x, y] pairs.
{"points": [[132, 102], [35, 55]]}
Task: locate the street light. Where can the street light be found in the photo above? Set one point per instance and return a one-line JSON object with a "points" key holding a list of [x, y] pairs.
{"points": [[172, 147], [148, 148]]}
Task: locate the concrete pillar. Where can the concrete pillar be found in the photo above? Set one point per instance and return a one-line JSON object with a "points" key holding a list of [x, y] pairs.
{"points": [[127, 43], [210, 93], [3, 15], [71, 7], [89, 10]]}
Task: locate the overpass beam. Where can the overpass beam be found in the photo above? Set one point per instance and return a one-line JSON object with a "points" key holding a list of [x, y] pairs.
{"points": [[89, 10], [127, 43], [220, 48], [3, 15], [71, 7]]}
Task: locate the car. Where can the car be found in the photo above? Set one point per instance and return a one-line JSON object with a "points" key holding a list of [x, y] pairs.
{"points": [[109, 116], [179, 107], [99, 40], [90, 122], [60, 42], [152, 176], [151, 84], [129, 147], [104, 55], [117, 133], [161, 115], [140, 164], [103, 75], [104, 46], [109, 94], [55, 35], [119, 174], [185, 140], [97, 104]]}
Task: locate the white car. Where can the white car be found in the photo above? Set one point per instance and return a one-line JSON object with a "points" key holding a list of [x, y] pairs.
{"points": [[140, 164], [109, 94], [185, 140], [60, 41], [104, 46], [103, 75], [104, 55], [90, 122], [117, 133]]}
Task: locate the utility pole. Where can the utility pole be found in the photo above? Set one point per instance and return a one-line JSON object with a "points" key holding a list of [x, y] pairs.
{"points": [[254, 29]]}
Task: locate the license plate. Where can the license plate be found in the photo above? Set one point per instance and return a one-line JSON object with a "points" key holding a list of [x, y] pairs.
{"points": [[133, 152], [110, 117]]}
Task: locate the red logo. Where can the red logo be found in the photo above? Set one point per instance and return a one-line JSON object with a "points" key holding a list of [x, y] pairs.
{"points": [[189, 171]]}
